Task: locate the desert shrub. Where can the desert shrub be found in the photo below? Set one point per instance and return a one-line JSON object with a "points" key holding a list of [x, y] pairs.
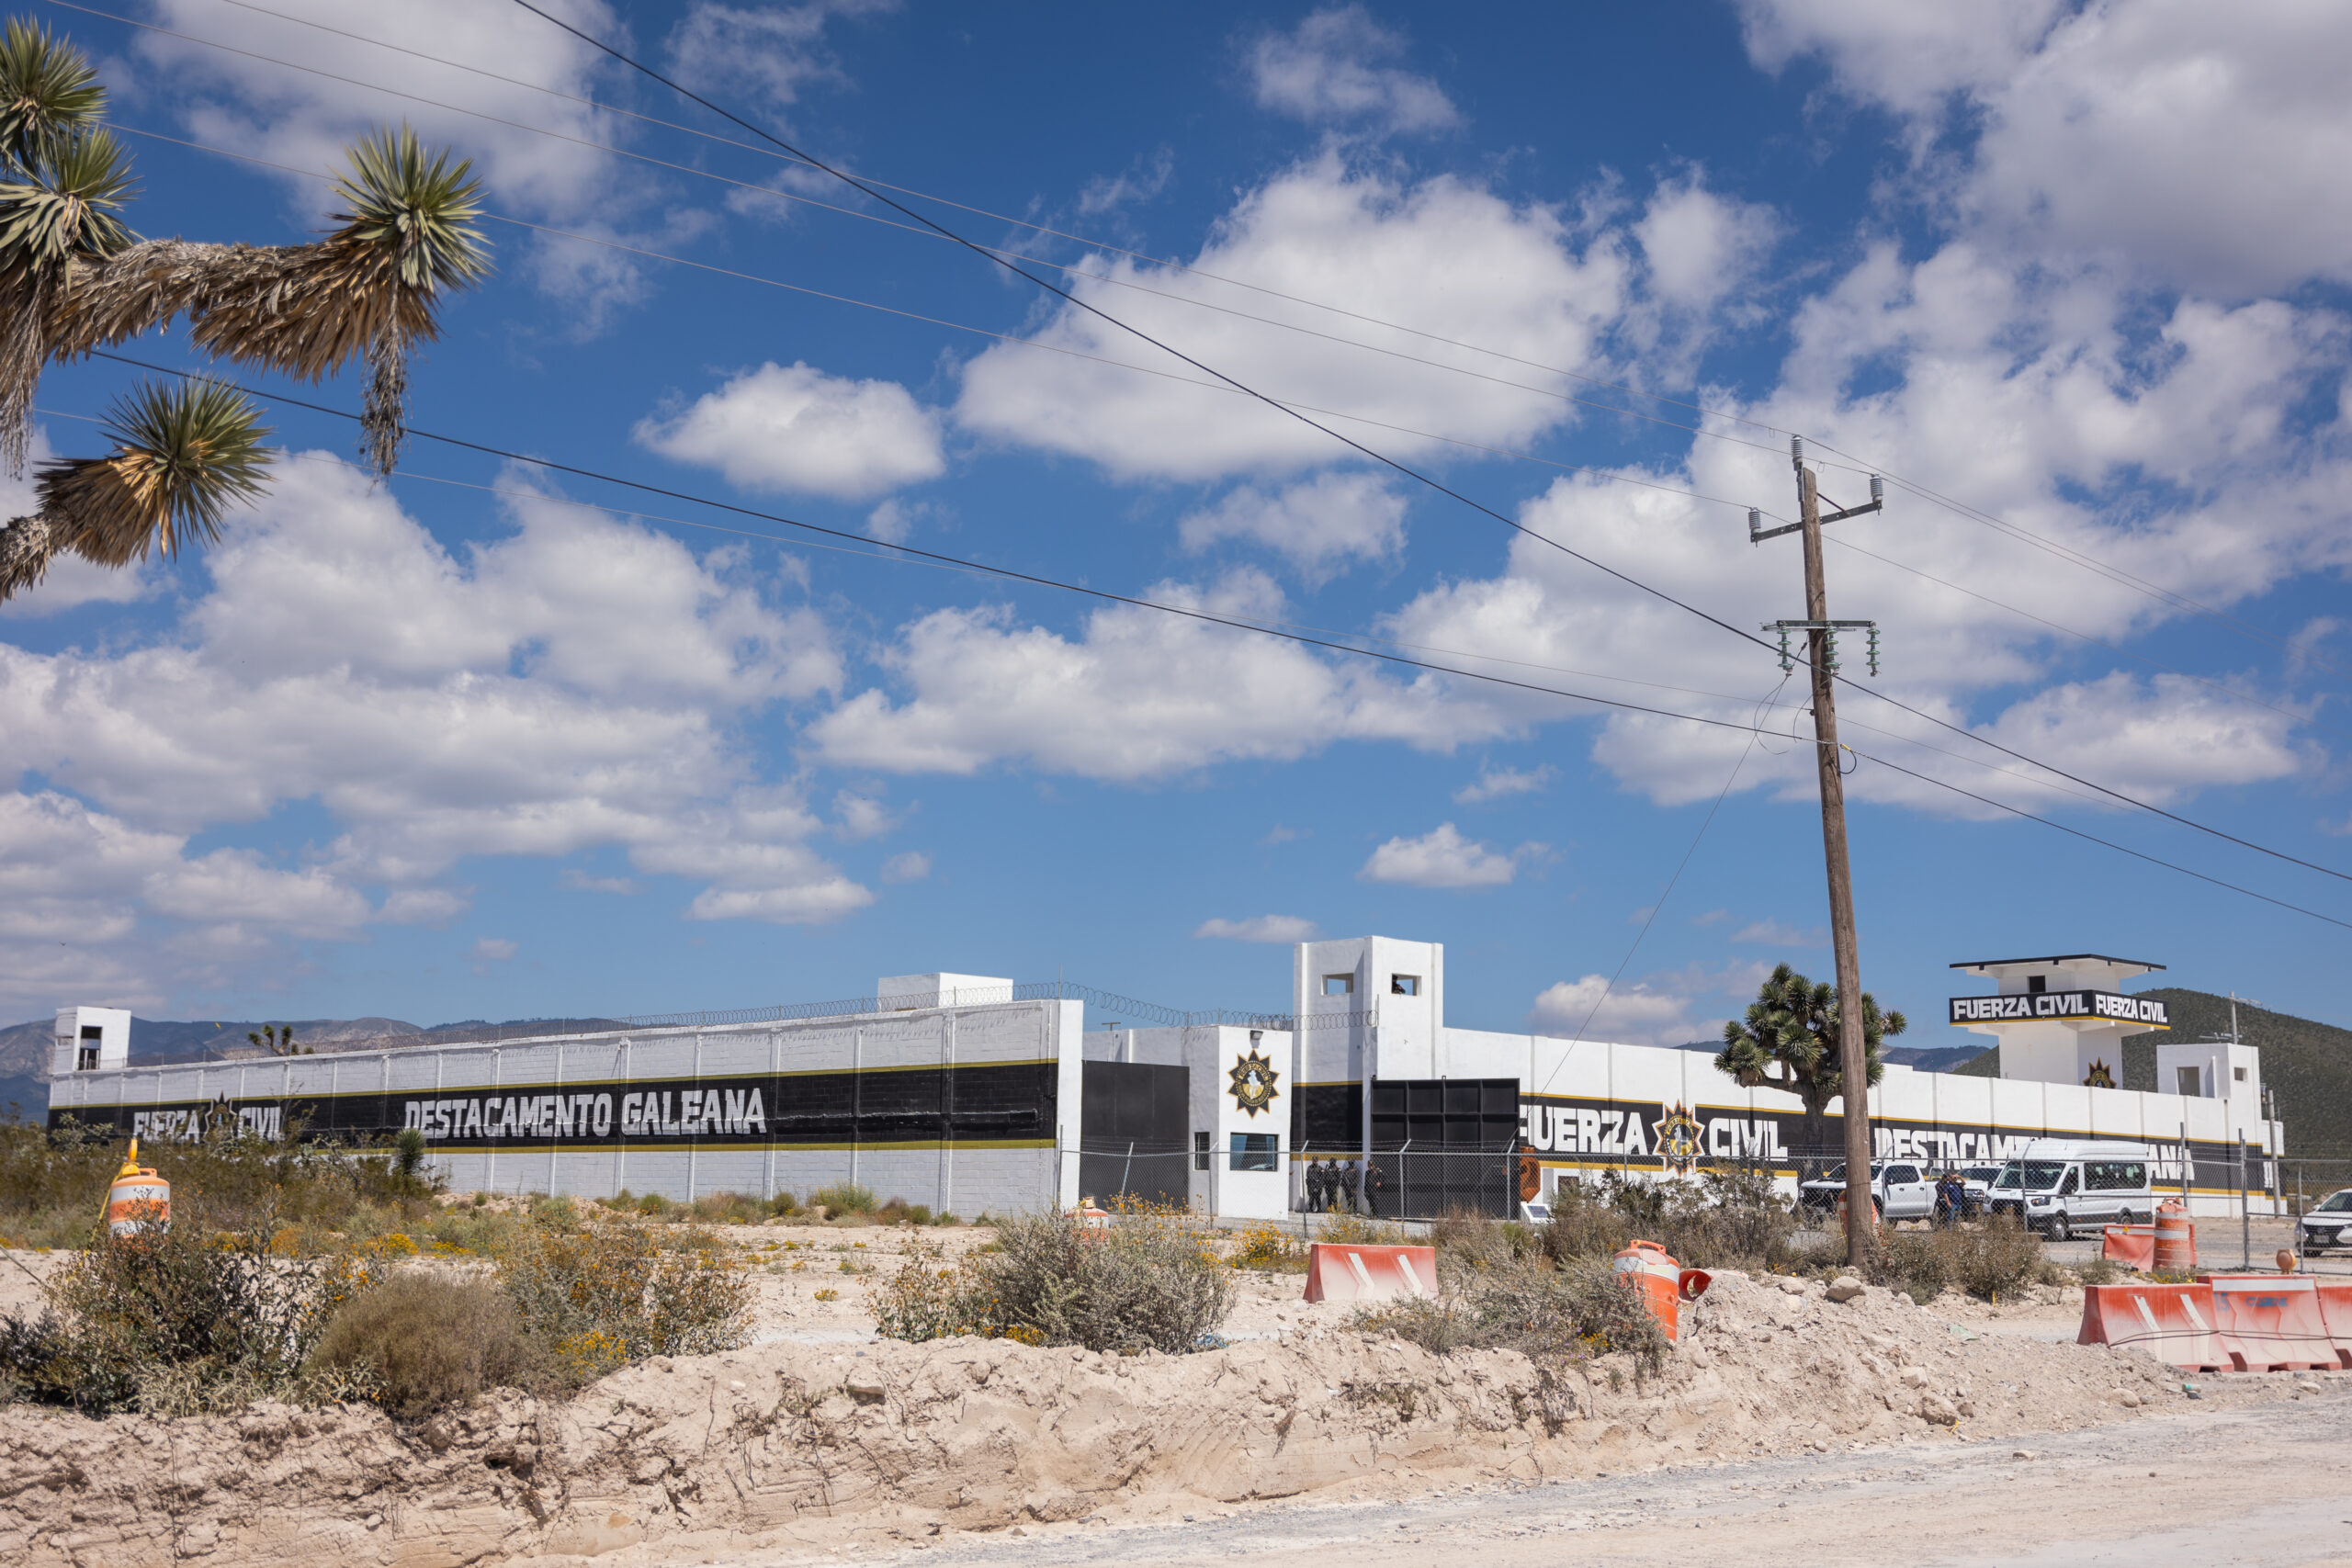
{"points": [[726, 1209], [1468, 1240], [843, 1198], [53, 1184], [1583, 1225], [1731, 1218], [1268, 1246], [616, 1291], [1150, 1281], [180, 1318], [1359, 1230], [1526, 1304], [2100, 1271], [425, 1342], [1984, 1261]]}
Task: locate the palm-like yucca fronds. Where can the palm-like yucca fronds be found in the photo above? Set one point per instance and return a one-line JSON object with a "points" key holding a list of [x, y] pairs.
{"points": [[367, 289], [60, 217], [183, 456], [47, 92]]}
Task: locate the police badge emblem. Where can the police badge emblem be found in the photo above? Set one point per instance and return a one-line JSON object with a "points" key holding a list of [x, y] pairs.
{"points": [[1678, 1138], [1253, 1083]]}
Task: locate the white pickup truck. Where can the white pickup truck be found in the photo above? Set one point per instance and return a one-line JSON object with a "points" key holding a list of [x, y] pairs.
{"points": [[1901, 1191]]}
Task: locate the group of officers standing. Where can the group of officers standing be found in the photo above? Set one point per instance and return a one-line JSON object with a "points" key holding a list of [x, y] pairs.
{"points": [[1335, 1187]]}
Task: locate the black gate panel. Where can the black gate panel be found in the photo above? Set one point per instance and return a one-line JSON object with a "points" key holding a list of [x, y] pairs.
{"points": [[1135, 1125], [1444, 1146]]}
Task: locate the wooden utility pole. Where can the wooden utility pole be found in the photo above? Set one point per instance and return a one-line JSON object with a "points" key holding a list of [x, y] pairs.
{"points": [[1821, 633]]}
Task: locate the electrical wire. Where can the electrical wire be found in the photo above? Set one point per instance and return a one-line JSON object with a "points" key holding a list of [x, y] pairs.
{"points": [[1407, 469], [2079, 559], [1193, 613]]}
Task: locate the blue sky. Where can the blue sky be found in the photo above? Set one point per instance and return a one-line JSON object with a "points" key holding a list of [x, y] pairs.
{"points": [[437, 751]]}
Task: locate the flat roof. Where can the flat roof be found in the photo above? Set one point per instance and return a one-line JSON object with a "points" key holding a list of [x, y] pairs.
{"points": [[1984, 963]]}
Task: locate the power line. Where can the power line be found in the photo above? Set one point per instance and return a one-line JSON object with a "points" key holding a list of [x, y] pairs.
{"points": [[1382, 458], [2079, 559], [1189, 612], [1010, 339]]}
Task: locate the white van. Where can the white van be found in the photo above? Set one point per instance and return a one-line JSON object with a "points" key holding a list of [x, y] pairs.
{"points": [[2058, 1187]]}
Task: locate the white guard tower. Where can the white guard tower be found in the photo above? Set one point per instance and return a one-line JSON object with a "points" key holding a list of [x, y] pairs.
{"points": [[91, 1039], [2061, 1020]]}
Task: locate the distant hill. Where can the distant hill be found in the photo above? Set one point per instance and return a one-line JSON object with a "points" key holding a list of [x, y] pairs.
{"points": [[2307, 1066]]}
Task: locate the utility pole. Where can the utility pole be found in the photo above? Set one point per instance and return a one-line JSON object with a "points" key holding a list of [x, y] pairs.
{"points": [[1821, 653]]}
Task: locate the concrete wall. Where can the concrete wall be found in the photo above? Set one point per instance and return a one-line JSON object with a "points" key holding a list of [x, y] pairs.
{"points": [[753, 1108]]}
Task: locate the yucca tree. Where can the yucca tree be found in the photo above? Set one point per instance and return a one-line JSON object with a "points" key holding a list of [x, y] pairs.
{"points": [[1789, 1041], [74, 278]]}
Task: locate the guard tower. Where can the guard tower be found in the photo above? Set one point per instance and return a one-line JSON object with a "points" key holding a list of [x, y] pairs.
{"points": [[91, 1039], [2061, 1019]]}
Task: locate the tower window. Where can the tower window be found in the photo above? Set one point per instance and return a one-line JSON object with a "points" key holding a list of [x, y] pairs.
{"points": [[1338, 985], [1403, 985], [2036, 984]]}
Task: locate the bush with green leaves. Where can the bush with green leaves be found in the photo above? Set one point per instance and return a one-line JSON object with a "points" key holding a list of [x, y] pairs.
{"points": [[617, 1291], [1989, 1260], [422, 1342], [1151, 1280]]}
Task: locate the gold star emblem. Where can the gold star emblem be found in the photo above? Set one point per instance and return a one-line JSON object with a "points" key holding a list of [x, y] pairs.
{"points": [[1678, 1138], [1253, 1083]]}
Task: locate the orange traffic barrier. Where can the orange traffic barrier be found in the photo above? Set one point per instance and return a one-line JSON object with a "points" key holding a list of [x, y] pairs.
{"points": [[2135, 1247], [1664, 1285], [2271, 1322], [2335, 1314], [2175, 1238], [2172, 1323], [137, 1197], [1345, 1273]]}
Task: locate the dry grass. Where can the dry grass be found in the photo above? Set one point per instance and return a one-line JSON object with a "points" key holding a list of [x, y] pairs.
{"points": [[425, 1342], [1986, 1261]]}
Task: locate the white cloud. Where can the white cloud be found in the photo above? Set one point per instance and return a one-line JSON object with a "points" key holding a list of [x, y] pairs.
{"points": [[776, 51], [1331, 70], [2199, 146], [1320, 526], [894, 520], [1368, 244], [1501, 783], [1780, 934], [1443, 858], [1629, 1014], [798, 430], [1140, 694], [570, 685], [1278, 930], [575, 880], [862, 817], [911, 866], [493, 950], [1700, 245]]}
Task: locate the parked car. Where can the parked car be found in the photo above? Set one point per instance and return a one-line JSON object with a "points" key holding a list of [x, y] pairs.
{"points": [[1978, 1181], [2059, 1186], [1899, 1189], [2326, 1223]]}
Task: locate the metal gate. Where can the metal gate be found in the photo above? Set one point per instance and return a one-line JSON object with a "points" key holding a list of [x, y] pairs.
{"points": [[1133, 1118]]}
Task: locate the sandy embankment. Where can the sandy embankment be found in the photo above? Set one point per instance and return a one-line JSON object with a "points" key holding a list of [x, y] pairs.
{"points": [[819, 1437]]}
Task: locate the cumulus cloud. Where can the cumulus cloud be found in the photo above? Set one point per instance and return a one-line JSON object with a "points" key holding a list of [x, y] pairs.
{"points": [[797, 430], [1320, 526], [1671, 1007], [775, 51], [862, 816], [495, 950], [1700, 245], [1501, 783], [573, 880], [1278, 930], [1443, 858], [1370, 244], [1780, 934], [1138, 695], [911, 866], [1332, 69], [2199, 146], [570, 684]]}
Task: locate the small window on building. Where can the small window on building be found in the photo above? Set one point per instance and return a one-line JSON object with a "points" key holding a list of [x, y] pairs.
{"points": [[1200, 1151], [86, 1060], [1253, 1151], [1403, 985], [2189, 1080], [1338, 985], [2238, 1073], [2036, 984]]}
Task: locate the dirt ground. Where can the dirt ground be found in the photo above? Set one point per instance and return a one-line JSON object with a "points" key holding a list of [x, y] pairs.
{"points": [[818, 1441]]}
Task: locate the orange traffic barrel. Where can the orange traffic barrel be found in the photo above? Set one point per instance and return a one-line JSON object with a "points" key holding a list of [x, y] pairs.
{"points": [[137, 1197], [2175, 1238], [1664, 1284]]}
